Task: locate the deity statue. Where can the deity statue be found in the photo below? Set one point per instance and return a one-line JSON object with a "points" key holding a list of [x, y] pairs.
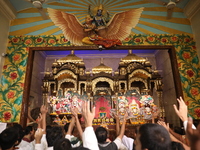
{"points": [[107, 34], [134, 109], [99, 19]]}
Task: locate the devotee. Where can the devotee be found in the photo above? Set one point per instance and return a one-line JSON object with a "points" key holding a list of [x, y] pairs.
{"points": [[9, 138], [193, 135], [69, 127], [28, 138], [182, 112], [127, 141], [174, 139], [91, 142], [101, 134], [152, 137]]}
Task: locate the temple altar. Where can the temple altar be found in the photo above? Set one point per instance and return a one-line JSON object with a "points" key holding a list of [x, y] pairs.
{"points": [[131, 89]]}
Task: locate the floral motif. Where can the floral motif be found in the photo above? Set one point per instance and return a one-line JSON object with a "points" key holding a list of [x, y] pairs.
{"points": [[190, 73], [7, 115], [10, 95], [197, 112], [194, 92], [28, 41], [16, 57], [13, 75], [186, 55], [5, 67]]}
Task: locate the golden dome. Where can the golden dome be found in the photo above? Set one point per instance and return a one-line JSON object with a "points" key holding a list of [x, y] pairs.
{"points": [[70, 58], [102, 68], [132, 58]]}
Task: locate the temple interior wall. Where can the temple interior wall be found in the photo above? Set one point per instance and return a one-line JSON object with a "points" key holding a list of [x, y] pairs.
{"points": [[169, 94]]}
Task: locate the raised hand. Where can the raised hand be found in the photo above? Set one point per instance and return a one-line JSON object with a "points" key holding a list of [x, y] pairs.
{"points": [[87, 114], [182, 111], [38, 135]]}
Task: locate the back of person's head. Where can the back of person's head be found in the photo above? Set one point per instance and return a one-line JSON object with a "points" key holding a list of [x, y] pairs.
{"points": [[66, 126], [177, 146], [54, 134], [20, 130], [9, 138], [28, 130], [101, 134], [62, 144], [154, 137], [35, 113]]}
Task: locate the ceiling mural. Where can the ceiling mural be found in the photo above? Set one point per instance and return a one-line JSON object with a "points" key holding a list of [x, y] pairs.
{"points": [[153, 20]]}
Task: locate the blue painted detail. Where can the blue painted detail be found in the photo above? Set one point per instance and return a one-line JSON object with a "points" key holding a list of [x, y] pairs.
{"points": [[28, 15], [154, 30], [27, 25], [136, 31], [159, 13], [176, 26], [57, 33], [42, 30]]}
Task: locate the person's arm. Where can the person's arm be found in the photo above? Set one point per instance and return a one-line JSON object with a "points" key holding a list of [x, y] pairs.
{"points": [[122, 130], [38, 136], [89, 137], [193, 135], [71, 126], [78, 125], [44, 110], [173, 138], [117, 124], [182, 112], [179, 137]]}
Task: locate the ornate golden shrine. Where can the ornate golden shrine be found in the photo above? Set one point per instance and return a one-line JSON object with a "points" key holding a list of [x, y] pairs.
{"points": [[134, 74]]}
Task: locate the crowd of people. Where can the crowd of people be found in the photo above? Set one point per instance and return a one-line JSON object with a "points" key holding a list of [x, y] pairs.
{"points": [[149, 136]]}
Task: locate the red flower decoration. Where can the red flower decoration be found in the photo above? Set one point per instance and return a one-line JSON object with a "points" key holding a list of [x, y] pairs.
{"points": [[15, 40], [28, 41], [65, 40], [194, 92], [13, 75], [16, 57], [179, 65], [5, 67], [174, 38], [39, 40], [52, 41], [22, 84], [151, 39], [27, 49], [190, 73], [164, 40], [186, 55], [7, 115], [187, 103], [187, 40], [194, 47], [10, 94], [197, 112], [137, 40]]}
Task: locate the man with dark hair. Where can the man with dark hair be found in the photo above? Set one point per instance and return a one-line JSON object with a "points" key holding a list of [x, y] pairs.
{"points": [[62, 144], [153, 137], [9, 138], [101, 134], [52, 135], [28, 138]]}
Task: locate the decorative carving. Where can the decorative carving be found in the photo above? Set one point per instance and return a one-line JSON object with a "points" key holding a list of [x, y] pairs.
{"points": [[64, 72], [95, 81]]}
